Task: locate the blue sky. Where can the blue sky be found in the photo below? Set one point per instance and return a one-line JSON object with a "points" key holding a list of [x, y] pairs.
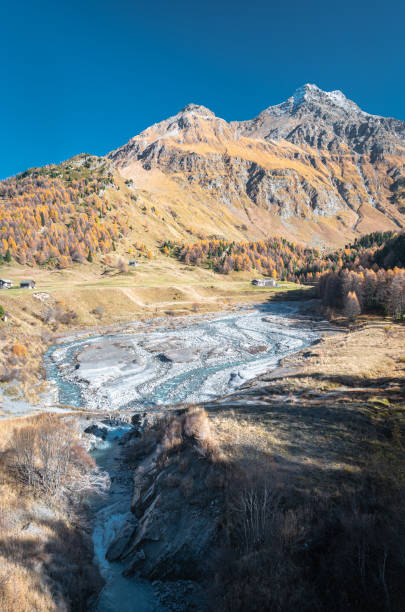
{"points": [[86, 76]]}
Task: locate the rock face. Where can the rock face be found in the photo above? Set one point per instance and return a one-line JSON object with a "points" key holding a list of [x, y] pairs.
{"points": [[176, 505], [317, 158], [327, 120]]}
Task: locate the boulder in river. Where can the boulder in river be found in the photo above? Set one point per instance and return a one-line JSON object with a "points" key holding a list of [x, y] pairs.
{"points": [[181, 355], [121, 541], [98, 430]]}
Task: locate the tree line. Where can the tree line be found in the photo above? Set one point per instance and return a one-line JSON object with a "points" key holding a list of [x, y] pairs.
{"points": [[373, 281], [364, 291], [275, 257], [283, 259]]}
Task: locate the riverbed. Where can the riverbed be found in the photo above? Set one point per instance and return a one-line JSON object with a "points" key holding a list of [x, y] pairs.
{"points": [[196, 361], [119, 593], [163, 363]]}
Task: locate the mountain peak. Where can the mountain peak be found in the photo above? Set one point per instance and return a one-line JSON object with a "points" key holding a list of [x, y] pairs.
{"points": [[197, 109], [310, 93], [306, 89]]}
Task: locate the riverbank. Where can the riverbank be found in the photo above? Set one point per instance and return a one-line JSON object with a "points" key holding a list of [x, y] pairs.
{"points": [[46, 549]]}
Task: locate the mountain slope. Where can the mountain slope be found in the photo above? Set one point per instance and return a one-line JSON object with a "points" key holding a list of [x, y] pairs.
{"points": [[315, 168], [82, 209]]}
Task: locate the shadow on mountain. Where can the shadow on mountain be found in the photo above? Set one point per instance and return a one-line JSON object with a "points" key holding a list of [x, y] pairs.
{"points": [[317, 521]]}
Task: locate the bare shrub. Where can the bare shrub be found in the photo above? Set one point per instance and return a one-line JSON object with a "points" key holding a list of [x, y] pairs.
{"points": [[122, 266], [172, 437], [46, 336], [257, 507], [99, 311], [58, 314], [46, 458], [68, 317], [9, 374], [197, 425], [172, 432]]}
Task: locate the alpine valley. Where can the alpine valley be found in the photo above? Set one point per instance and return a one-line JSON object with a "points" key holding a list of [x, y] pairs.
{"points": [[202, 368]]}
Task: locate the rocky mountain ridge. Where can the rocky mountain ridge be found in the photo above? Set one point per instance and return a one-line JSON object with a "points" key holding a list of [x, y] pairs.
{"points": [[328, 120], [315, 167]]}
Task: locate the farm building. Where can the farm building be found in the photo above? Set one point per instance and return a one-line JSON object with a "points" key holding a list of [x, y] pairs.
{"points": [[5, 284], [27, 284], [264, 282], [133, 263]]}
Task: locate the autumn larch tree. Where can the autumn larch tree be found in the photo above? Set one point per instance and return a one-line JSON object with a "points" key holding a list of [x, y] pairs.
{"points": [[352, 306]]}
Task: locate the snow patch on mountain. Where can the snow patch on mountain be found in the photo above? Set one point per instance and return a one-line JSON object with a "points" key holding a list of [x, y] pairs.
{"points": [[313, 94]]}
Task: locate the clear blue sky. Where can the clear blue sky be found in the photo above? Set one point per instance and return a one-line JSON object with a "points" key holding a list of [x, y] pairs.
{"points": [[86, 76]]}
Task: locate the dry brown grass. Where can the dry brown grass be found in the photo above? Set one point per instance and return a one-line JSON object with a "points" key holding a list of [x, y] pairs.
{"points": [[174, 432], [21, 591], [315, 495], [45, 559]]}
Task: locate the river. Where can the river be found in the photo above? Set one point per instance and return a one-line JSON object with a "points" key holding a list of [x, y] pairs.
{"points": [[194, 359]]}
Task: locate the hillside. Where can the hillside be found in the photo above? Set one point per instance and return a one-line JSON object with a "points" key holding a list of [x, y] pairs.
{"points": [[78, 211], [83, 209]]}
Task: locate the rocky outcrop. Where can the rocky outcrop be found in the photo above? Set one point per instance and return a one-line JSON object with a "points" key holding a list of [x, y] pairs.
{"points": [[176, 504]]}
